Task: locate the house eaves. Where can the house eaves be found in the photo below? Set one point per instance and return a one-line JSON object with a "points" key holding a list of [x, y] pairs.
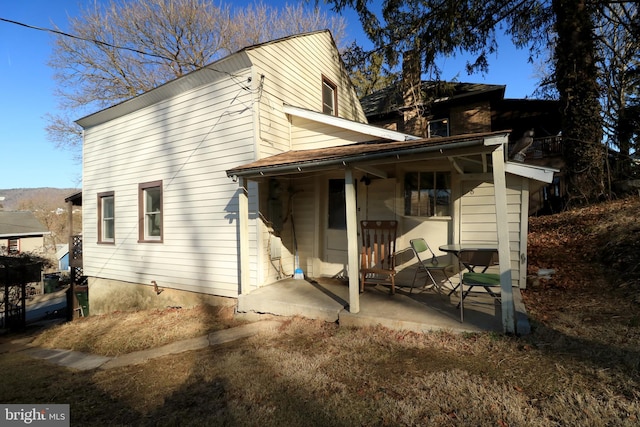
{"points": [[539, 173], [362, 128], [236, 65], [298, 161]]}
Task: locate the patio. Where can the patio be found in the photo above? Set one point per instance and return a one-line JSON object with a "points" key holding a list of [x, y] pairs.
{"points": [[327, 299]]}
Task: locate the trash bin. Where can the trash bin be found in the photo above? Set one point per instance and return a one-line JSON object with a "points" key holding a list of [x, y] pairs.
{"points": [[51, 283], [82, 295]]}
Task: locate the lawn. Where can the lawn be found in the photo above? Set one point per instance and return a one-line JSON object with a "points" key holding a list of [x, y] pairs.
{"points": [[579, 366]]}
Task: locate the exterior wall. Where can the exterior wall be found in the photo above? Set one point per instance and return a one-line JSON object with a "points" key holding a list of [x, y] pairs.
{"points": [[308, 135], [470, 118], [27, 244], [293, 70], [477, 216], [187, 141]]}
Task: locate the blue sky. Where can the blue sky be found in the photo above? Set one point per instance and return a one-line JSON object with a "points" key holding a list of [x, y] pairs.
{"points": [[30, 160]]}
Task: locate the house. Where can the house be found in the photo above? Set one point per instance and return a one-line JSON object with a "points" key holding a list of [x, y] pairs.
{"points": [[459, 108], [234, 176], [20, 231]]}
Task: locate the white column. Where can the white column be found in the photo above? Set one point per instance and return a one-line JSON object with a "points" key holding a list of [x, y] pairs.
{"points": [[500, 189], [352, 242]]}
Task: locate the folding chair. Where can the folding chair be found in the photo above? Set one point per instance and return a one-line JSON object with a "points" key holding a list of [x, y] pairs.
{"points": [[422, 249], [474, 259]]}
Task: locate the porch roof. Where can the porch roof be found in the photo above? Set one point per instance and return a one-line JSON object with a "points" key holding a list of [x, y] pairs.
{"points": [[296, 161]]}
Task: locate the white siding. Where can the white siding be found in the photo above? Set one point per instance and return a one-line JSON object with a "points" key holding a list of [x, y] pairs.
{"points": [[187, 141], [293, 71], [308, 135], [478, 216]]}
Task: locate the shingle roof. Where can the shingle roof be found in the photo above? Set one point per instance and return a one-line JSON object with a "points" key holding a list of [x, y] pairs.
{"points": [[390, 98], [359, 152], [20, 223]]}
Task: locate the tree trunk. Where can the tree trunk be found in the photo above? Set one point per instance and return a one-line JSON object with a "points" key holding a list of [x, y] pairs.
{"points": [[576, 75]]}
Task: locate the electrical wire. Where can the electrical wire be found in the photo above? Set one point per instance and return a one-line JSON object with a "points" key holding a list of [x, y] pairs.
{"points": [[130, 49]]}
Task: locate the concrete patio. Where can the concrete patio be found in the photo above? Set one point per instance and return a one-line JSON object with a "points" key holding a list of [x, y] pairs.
{"points": [[420, 311]]}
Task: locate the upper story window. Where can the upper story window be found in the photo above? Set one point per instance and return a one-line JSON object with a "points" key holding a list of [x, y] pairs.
{"points": [[438, 127], [150, 212], [427, 194], [329, 97], [106, 220]]}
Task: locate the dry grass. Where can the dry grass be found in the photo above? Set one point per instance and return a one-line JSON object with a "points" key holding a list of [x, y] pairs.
{"points": [[120, 333], [579, 367]]}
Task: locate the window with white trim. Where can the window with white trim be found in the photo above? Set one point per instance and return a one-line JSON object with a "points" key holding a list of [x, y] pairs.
{"points": [[150, 211], [106, 221], [427, 194]]}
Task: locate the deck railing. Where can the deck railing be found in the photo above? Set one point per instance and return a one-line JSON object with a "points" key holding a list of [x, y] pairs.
{"points": [[548, 146]]}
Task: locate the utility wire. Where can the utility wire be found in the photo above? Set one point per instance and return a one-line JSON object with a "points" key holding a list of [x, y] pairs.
{"points": [[101, 43]]}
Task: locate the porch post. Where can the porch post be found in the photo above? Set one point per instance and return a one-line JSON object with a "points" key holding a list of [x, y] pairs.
{"points": [[500, 189], [352, 241], [243, 234]]}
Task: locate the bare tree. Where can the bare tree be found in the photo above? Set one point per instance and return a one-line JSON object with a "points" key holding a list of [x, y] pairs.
{"points": [[619, 54], [124, 48]]}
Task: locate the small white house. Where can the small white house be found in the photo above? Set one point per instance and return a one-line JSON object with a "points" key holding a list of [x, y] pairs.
{"points": [[211, 184]]}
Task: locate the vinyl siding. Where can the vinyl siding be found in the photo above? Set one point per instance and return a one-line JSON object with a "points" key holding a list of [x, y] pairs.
{"points": [[291, 77], [308, 135], [187, 141], [478, 222]]}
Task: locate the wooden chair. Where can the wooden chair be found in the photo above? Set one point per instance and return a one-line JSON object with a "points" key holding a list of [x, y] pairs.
{"points": [[377, 260]]}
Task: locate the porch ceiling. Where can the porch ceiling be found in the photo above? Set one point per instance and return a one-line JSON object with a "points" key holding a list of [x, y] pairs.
{"points": [[297, 161]]}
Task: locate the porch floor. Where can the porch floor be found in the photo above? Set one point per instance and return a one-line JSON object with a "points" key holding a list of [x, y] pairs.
{"points": [[327, 299]]}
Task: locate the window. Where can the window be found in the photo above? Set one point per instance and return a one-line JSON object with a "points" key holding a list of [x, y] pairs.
{"points": [[329, 97], [427, 194], [438, 128], [337, 205], [14, 247], [150, 211], [106, 220]]}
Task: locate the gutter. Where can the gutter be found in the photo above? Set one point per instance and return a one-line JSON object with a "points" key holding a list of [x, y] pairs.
{"points": [[306, 166]]}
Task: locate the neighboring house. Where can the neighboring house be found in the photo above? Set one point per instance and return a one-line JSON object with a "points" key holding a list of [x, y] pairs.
{"points": [[455, 108], [214, 183], [20, 231], [62, 256]]}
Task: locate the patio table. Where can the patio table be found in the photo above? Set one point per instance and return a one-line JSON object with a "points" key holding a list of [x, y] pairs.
{"points": [[456, 248]]}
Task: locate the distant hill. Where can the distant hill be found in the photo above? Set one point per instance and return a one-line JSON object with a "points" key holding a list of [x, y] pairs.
{"points": [[50, 196]]}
